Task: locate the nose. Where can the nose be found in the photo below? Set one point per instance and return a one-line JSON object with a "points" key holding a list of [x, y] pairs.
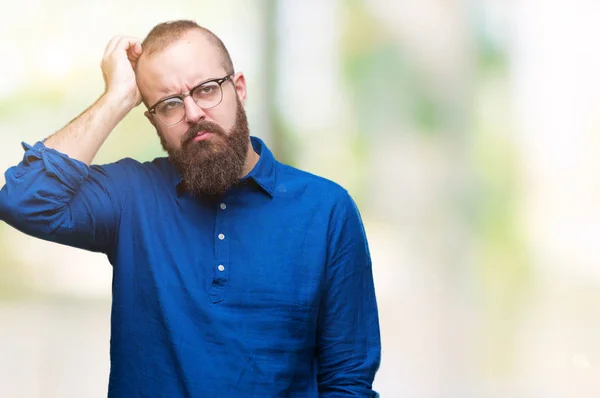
{"points": [[193, 113]]}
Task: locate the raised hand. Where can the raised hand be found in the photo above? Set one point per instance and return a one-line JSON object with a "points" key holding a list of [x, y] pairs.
{"points": [[118, 64]]}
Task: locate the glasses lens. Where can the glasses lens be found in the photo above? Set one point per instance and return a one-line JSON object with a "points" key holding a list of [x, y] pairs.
{"points": [[170, 111], [208, 95]]}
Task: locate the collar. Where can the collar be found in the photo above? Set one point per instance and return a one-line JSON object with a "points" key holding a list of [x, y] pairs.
{"points": [[263, 172]]}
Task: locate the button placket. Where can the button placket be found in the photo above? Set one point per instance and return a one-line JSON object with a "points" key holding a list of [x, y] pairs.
{"points": [[221, 265]]}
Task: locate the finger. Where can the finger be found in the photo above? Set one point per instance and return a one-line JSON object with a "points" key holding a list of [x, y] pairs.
{"points": [[134, 52], [111, 45], [126, 43], [109, 48]]}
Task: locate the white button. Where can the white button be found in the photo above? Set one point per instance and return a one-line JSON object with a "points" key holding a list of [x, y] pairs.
{"points": [[223, 206], [221, 236], [221, 268]]}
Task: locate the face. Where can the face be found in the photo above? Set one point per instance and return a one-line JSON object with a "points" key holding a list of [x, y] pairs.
{"points": [[209, 147]]}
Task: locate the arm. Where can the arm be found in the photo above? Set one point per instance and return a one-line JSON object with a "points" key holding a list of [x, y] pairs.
{"points": [[56, 198], [82, 137], [53, 194], [348, 340]]}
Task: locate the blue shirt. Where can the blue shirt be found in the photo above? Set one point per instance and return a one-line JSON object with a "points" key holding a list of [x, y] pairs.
{"points": [[267, 292]]}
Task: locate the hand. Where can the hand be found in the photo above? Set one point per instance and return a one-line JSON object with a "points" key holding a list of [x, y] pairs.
{"points": [[118, 65]]}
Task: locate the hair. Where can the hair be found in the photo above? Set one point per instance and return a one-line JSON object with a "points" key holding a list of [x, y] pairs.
{"points": [[165, 33]]}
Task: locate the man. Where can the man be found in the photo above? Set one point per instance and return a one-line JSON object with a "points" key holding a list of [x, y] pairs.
{"points": [[233, 275]]}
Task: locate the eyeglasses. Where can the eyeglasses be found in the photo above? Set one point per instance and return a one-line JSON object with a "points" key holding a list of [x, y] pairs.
{"points": [[171, 110]]}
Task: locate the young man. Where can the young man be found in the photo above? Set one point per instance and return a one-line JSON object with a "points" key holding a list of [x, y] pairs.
{"points": [[233, 275]]}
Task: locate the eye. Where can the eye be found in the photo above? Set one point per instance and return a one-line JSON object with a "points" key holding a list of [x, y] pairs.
{"points": [[206, 90], [169, 104]]}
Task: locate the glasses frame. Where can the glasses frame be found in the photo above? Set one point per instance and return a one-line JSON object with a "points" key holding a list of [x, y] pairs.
{"points": [[219, 81]]}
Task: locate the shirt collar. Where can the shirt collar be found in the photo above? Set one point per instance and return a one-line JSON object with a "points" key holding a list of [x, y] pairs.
{"points": [[263, 172]]}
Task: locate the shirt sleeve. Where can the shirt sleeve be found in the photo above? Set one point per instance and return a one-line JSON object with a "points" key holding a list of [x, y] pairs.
{"points": [[348, 336], [53, 197]]}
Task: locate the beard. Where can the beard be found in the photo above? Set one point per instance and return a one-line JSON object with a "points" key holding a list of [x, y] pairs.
{"points": [[211, 167]]}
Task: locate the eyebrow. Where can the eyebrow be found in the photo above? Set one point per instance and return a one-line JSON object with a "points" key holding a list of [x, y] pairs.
{"points": [[193, 87]]}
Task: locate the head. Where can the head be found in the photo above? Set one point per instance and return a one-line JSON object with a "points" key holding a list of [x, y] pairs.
{"points": [[195, 101]]}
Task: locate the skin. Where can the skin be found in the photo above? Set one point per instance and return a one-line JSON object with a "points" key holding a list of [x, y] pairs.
{"points": [[82, 137], [168, 72], [165, 73]]}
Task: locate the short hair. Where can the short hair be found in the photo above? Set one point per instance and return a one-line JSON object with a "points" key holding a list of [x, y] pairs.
{"points": [[165, 33]]}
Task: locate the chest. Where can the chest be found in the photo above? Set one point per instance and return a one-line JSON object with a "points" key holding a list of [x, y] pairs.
{"points": [[243, 251]]}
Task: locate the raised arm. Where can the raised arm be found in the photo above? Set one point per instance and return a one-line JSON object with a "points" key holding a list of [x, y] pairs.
{"points": [[53, 193], [82, 137]]}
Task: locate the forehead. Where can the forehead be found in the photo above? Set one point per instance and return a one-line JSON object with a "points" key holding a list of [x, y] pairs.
{"points": [[178, 67]]}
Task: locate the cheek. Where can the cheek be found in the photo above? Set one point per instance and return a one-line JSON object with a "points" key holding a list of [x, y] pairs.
{"points": [[172, 135], [224, 117]]}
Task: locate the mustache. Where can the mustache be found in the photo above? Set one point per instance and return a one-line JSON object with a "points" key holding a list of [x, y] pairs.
{"points": [[205, 126]]}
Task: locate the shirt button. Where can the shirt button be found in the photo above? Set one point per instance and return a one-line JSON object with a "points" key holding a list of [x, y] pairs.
{"points": [[221, 236], [221, 268], [223, 206]]}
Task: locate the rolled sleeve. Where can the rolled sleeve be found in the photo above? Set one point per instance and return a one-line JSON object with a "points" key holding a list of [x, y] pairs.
{"points": [[57, 198], [69, 172]]}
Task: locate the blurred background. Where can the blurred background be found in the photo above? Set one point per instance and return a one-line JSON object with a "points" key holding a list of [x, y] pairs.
{"points": [[467, 131]]}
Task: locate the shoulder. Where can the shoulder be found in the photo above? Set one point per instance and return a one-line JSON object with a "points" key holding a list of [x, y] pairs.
{"points": [[134, 165], [135, 171], [312, 186]]}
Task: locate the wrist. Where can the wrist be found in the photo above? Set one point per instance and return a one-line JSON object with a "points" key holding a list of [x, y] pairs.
{"points": [[120, 103]]}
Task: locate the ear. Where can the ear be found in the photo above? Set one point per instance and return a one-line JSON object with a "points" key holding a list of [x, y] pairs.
{"points": [[239, 81], [150, 118]]}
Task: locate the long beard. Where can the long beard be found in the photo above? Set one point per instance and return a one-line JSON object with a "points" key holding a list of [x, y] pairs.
{"points": [[211, 167]]}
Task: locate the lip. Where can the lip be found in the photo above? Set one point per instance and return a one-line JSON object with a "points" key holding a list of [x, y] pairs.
{"points": [[202, 135]]}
